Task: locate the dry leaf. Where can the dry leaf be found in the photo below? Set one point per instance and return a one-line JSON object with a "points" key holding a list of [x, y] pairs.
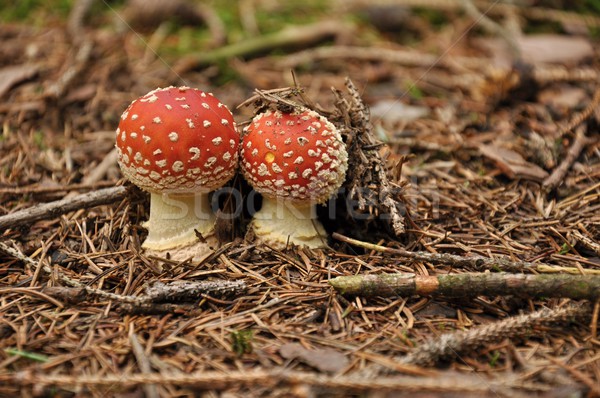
{"points": [[323, 359], [541, 49], [512, 163], [12, 75]]}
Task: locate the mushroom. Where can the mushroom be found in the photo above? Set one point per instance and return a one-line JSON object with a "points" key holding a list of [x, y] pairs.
{"points": [[178, 144], [295, 161]]}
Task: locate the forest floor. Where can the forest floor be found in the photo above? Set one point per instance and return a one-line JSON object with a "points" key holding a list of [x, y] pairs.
{"points": [[486, 116]]}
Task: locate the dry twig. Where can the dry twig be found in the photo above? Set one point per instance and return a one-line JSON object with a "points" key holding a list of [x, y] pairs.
{"points": [[558, 174], [63, 206], [450, 383], [578, 287], [292, 35], [476, 262]]}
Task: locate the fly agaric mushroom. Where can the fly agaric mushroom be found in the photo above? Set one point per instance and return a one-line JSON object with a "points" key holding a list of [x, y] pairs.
{"points": [[178, 144], [295, 160]]}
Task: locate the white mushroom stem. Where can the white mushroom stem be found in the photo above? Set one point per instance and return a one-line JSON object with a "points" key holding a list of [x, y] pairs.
{"points": [[279, 222], [173, 219]]}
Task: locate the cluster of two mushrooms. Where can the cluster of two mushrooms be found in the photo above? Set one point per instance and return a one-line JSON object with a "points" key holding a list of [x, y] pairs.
{"points": [[180, 144]]}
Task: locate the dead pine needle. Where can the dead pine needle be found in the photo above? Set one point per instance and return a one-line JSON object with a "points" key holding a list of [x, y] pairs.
{"points": [[460, 343]]}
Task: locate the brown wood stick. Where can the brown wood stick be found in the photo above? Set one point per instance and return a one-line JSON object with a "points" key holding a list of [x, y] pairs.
{"points": [[578, 287], [63, 206]]}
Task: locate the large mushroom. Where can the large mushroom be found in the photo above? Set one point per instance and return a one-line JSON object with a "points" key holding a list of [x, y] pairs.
{"points": [[295, 161], [178, 144]]}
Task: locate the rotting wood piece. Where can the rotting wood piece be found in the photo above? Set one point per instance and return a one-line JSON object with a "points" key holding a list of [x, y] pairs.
{"points": [[367, 181]]}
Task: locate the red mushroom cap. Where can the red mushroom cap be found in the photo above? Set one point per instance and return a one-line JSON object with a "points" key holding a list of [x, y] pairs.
{"points": [[299, 156], [177, 140]]}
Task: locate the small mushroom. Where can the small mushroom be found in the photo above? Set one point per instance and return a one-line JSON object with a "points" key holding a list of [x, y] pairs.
{"points": [[295, 161], [178, 144]]}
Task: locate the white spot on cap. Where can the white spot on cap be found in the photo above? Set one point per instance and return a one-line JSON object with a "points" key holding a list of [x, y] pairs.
{"points": [[124, 115], [138, 157], [142, 128], [288, 154], [269, 145], [156, 120], [210, 161], [276, 168], [206, 123], [288, 141], [134, 117], [292, 175], [217, 140], [302, 141], [299, 160], [169, 107], [313, 154], [173, 136], [306, 173], [262, 170], [178, 166], [152, 99], [325, 158], [154, 175], [226, 156], [190, 123], [205, 105], [133, 135], [225, 122], [255, 152], [232, 143], [157, 152], [318, 165], [185, 106], [123, 136], [161, 163], [196, 153]]}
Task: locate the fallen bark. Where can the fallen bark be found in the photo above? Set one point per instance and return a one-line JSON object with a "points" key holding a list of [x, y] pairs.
{"points": [[578, 287]]}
